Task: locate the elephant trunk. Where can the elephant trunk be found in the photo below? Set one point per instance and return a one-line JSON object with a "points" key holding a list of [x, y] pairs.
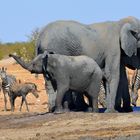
{"points": [[21, 62]]}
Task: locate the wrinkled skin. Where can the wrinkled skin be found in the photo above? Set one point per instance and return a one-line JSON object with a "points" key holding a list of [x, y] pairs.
{"points": [[65, 70], [103, 42]]}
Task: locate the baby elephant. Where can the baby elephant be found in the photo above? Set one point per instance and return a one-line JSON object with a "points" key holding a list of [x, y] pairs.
{"points": [[78, 73], [22, 89]]}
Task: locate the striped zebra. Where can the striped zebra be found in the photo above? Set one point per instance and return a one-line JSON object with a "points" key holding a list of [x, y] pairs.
{"points": [[135, 87], [7, 81], [102, 96]]}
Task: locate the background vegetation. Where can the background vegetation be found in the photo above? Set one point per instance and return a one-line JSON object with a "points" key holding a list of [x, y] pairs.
{"points": [[24, 49]]}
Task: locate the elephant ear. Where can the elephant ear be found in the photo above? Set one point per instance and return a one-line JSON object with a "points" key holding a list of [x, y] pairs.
{"points": [[45, 60], [128, 36]]}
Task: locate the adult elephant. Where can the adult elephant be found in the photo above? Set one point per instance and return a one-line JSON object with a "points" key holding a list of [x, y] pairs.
{"points": [[104, 42]]}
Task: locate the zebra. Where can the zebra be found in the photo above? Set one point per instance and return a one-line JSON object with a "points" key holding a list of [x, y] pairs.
{"points": [[135, 86], [7, 81], [102, 96], [21, 90]]}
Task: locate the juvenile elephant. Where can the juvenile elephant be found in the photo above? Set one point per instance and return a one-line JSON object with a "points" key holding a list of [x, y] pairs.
{"points": [[65, 70], [107, 43]]}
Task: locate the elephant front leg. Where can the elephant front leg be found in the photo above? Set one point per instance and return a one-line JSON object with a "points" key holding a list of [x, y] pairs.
{"points": [[59, 99], [112, 74], [123, 92], [111, 96], [51, 95]]}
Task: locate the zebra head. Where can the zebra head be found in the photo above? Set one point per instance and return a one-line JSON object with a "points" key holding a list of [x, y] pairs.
{"points": [[3, 74]]}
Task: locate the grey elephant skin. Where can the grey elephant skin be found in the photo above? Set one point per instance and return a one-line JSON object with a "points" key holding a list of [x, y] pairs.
{"points": [[64, 69], [108, 43]]}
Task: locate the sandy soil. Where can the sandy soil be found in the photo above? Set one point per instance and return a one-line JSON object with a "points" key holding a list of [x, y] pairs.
{"points": [[39, 125]]}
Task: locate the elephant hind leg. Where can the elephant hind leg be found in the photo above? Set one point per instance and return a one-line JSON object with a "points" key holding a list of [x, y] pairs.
{"points": [[62, 88], [94, 89]]}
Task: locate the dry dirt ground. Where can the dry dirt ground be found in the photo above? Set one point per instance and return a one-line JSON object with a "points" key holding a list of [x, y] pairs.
{"points": [[39, 125]]}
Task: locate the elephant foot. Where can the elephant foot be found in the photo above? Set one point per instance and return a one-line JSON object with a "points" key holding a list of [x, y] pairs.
{"points": [[96, 110], [119, 109], [52, 109], [110, 111], [127, 109], [59, 111], [66, 110], [89, 109], [124, 109]]}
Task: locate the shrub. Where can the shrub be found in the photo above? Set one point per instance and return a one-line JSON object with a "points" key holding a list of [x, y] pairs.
{"points": [[26, 50]]}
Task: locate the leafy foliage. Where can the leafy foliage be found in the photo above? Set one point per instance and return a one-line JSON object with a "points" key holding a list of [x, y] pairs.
{"points": [[26, 50]]}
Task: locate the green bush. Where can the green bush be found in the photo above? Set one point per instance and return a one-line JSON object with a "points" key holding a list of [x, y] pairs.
{"points": [[26, 50]]}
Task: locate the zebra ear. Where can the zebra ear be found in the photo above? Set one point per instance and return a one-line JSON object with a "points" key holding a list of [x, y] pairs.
{"points": [[4, 69]]}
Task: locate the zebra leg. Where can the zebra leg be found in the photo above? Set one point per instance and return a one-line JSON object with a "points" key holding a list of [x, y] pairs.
{"points": [[24, 98], [134, 96], [102, 96], [12, 104], [135, 87], [5, 102], [21, 104]]}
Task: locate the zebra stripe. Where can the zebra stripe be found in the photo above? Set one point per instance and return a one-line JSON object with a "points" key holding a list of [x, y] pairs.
{"points": [[7, 81], [135, 87], [6, 87], [136, 80], [102, 96]]}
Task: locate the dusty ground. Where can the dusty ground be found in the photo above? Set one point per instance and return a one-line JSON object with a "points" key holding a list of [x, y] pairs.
{"points": [[39, 125]]}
